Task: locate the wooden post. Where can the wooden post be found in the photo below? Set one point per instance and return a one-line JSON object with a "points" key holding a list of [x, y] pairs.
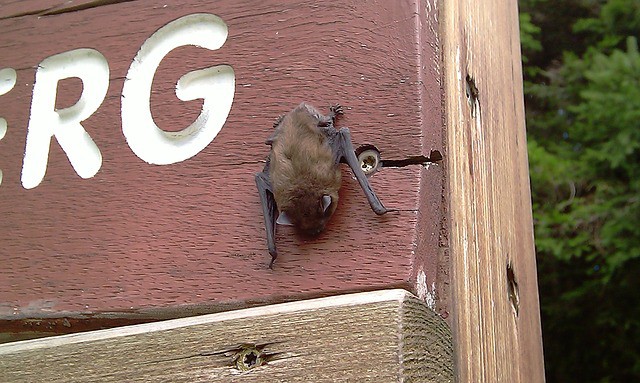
{"points": [[496, 318], [133, 132]]}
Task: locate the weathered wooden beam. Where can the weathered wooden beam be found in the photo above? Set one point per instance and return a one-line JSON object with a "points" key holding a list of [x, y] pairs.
{"points": [[381, 336], [496, 318]]}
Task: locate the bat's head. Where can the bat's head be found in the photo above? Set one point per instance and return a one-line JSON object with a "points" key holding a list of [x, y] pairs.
{"points": [[310, 212]]}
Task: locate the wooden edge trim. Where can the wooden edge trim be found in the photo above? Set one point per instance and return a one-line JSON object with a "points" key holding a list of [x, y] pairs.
{"points": [[380, 336]]}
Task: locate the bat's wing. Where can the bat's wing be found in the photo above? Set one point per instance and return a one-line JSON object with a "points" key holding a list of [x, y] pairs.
{"points": [[269, 210], [343, 148]]}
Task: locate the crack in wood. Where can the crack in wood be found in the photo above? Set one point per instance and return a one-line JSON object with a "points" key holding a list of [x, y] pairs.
{"points": [[81, 7], [217, 361], [65, 8], [433, 158], [229, 357]]}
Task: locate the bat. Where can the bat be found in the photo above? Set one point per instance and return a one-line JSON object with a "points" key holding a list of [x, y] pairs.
{"points": [[301, 178]]}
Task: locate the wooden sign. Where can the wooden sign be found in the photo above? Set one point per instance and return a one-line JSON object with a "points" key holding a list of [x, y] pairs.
{"points": [[134, 130]]}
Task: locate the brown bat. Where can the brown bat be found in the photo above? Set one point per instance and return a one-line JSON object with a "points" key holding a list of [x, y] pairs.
{"points": [[301, 178]]}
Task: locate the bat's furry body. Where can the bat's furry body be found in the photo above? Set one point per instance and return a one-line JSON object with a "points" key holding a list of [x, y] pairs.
{"points": [[302, 176], [303, 170]]}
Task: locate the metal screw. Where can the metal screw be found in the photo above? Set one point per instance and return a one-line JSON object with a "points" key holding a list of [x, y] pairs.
{"points": [[248, 358]]}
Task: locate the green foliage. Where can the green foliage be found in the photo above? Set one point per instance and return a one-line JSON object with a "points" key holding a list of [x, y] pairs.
{"points": [[607, 128], [616, 20], [583, 118], [528, 33]]}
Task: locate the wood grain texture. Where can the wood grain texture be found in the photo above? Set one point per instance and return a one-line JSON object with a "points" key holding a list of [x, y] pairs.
{"points": [[383, 336], [496, 317], [20, 8], [149, 241]]}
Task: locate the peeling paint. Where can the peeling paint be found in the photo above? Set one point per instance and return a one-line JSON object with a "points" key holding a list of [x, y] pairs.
{"points": [[421, 285]]}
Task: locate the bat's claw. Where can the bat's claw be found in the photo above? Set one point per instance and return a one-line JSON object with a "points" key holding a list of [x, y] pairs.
{"points": [[278, 120], [336, 109]]}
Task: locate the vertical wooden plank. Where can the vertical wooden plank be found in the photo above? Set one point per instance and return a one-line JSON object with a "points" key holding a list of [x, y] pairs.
{"points": [[496, 320]]}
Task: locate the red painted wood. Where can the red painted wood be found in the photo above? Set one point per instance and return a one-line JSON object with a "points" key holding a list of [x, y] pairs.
{"points": [[138, 237]]}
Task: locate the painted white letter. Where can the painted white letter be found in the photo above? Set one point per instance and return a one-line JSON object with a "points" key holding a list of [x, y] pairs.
{"points": [[8, 78], [215, 85], [45, 121]]}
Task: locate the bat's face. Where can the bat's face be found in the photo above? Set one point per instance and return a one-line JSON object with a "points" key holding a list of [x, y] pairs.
{"points": [[309, 214]]}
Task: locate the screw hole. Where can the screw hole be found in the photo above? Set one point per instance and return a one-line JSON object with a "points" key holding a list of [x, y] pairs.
{"points": [[249, 358], [369, 158]]}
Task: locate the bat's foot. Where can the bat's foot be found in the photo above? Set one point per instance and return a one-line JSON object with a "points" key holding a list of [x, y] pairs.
{"points": [[278, 120], [336, 110]]}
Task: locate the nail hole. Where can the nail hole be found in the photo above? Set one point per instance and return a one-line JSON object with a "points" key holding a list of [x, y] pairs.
{"points": [[249, 358], [472, 93], [512, 288], [369, 158]]}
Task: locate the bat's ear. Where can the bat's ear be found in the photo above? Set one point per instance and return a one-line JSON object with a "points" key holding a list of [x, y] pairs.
{"points": [[326, 202], [283, 219]]}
